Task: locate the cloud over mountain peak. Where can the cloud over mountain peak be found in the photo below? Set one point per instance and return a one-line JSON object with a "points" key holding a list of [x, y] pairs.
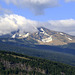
{"points": [[10, 23], [13, 22]]}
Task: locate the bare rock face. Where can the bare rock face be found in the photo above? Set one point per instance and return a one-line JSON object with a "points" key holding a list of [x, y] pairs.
{"points": [[49, 37]]}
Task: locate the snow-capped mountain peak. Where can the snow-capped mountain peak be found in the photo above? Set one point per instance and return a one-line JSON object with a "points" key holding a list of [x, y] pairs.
{"points": [[17, 35], [44, 36]]}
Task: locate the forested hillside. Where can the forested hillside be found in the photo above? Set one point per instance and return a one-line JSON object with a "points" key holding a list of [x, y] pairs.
{"points": [[47, 54], [18, 64]]}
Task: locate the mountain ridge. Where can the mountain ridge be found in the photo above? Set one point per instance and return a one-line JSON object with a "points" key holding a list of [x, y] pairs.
{"points": [[43, 36]]}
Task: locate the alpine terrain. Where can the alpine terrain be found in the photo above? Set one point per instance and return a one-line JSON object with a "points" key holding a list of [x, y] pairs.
{"points": [[43, 36]]}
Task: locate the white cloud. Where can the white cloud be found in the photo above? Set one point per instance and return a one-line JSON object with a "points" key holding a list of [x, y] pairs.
{"points": [[65, 23], [13, 22], [70, 0], [36, 6], [10, 23], [67, 26]]}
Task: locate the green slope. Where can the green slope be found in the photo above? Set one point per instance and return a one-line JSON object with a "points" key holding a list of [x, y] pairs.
{"points": [[51, 55], [18, 64]]}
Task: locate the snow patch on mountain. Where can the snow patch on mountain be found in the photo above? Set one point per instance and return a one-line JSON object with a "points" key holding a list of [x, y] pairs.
{"points": [[26, 35], [70, 39], [61, 33], [20, 35], [42, 29], [49, 39], [44, 32], [14, 36], [23, 36]]}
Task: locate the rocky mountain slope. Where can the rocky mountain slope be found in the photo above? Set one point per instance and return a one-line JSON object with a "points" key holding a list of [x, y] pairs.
{"points": [[43, 36]]}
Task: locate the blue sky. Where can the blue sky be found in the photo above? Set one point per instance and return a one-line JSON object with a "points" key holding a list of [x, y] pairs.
{"points": [[62, 11], [49, 11]]}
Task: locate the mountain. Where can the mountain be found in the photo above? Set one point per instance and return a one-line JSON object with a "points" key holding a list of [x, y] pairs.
{"points": [[17, 64], [43, 39], [45, 43], [43, 36]]}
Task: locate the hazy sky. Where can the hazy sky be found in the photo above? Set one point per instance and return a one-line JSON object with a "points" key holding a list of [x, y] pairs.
{"points": [[56, 15]]}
